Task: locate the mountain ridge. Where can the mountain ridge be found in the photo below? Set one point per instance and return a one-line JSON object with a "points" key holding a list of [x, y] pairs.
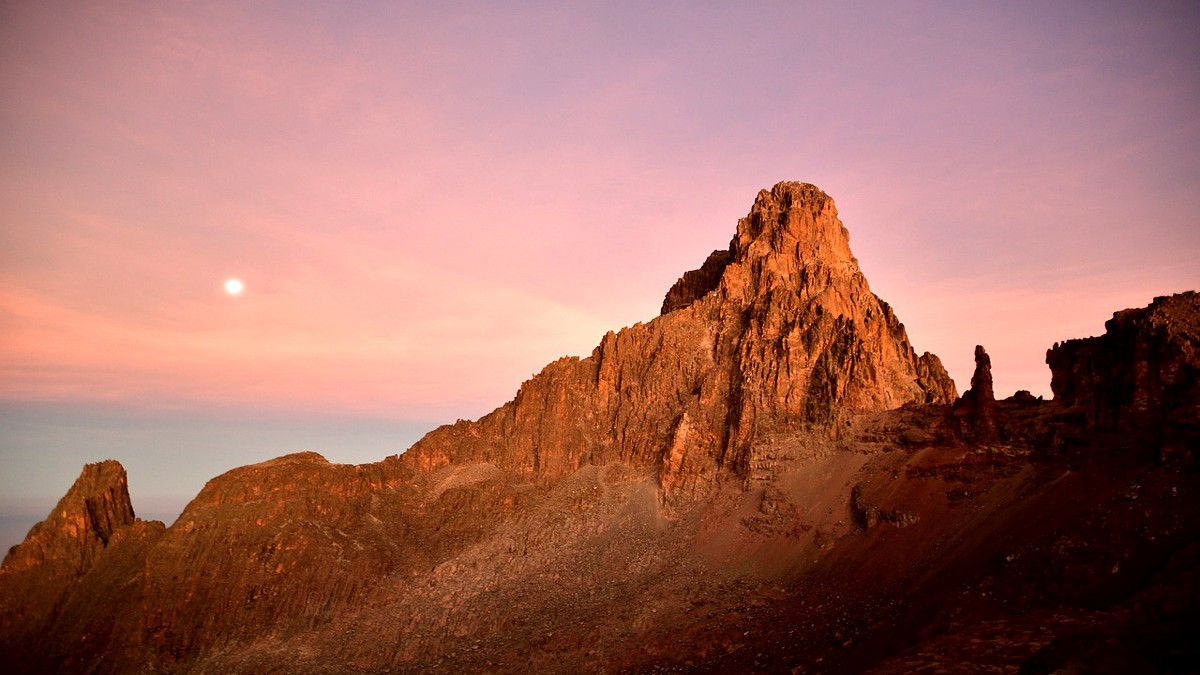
{"points": [[764, 478], [772, 332]]}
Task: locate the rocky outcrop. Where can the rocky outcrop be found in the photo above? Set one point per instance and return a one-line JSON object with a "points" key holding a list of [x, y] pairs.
{"points": [[977, 410], [81, 525], [41, 572], [697, 283], [981, 392], [1141, 376], [779, 335]]}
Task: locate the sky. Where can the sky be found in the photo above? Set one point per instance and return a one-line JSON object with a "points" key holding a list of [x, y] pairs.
{"points": [[427, 202]]}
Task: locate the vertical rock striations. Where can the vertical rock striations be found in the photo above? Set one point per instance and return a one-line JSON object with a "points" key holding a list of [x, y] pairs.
{"points": [[39, 575], [80, 527], [778, 335]]}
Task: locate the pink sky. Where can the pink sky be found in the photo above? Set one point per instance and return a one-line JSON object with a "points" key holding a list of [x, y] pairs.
{"points": [[428, 203]]}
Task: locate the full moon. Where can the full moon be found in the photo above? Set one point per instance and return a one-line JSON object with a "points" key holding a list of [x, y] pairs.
{"points": [[233, 286]]}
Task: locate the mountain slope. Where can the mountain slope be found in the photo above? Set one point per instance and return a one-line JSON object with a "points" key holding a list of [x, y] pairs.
{"points": [[765, 478]]}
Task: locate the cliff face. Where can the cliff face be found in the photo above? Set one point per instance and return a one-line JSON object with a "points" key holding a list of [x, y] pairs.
{"points": [[1142, 375], [735, 486], [92, 525], [778, 335], [81, 525]]}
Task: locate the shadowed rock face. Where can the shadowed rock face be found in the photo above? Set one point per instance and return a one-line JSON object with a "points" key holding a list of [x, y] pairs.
{"points": [[1141, 375], [765, 478], [698, 283], [976, 409]]}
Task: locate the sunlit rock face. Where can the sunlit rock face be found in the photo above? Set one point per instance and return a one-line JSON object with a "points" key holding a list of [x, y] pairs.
{"points": [[81, 526], [92, 526], [764, 478], [776, 335]]}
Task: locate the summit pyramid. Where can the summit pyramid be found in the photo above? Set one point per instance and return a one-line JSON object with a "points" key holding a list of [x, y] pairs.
{"points": [[778, 335]]}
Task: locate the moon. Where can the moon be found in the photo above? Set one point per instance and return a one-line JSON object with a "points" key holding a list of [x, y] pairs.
{"points": [[234, 286]]}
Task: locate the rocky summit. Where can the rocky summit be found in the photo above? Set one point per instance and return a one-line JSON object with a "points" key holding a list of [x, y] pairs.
{"points": [[776, 337], [767, 477]]}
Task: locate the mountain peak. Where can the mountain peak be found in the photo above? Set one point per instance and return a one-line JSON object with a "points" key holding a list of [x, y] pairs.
{"points": [[778, 334], [82, 523], [793, 220], [790, 227]]}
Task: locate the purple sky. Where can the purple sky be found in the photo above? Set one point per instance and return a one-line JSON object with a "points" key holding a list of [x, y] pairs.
{"points": [[427, 203]]}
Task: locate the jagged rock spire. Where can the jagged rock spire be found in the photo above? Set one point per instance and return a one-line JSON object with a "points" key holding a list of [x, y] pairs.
{"points": [[81, 525], [778, 335], [977, 410], [60, 551]]}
